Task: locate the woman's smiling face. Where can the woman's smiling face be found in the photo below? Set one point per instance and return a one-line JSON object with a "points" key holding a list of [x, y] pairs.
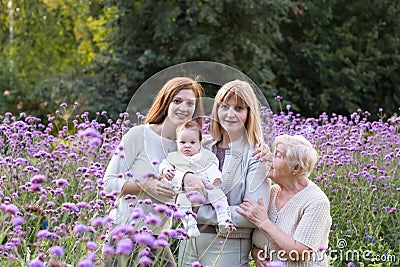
{"points": [[232, 117], [182, 107]]}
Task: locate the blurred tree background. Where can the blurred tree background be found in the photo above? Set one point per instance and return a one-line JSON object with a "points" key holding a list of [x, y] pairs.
{"points": [[320, 56]]}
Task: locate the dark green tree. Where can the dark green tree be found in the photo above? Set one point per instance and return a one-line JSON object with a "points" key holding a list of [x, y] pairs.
{"points": [[338, 56], [149, 36]]}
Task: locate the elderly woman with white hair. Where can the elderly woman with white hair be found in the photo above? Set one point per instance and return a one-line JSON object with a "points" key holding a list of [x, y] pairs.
{"points": [[296, 226]]}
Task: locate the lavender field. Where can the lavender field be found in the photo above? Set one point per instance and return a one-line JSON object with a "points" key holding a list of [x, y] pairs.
{"points": [[53, 209]]}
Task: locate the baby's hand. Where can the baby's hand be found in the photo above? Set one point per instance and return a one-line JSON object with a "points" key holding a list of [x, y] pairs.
{"points": [[169, 173], [217, 182]]}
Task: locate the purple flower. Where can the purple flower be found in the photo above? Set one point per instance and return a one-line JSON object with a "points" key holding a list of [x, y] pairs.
{"points": [[136, 213], [38, 179], [57, 251], [180, 214], [144, 252], [195, 197], [36, 187], [161, 243], [160, 207], [196, 264], [124, 246], [18, 220], [91, 245], [350, 264], [95, 142], [152, 219], [11, 208], [145, 238], [108, 250], [275, 264], [61, 182], [145, 261], [85, 263], [42, 234], [89, 132], [80, 229], [36, 263], [15, 241], [97, 221]]}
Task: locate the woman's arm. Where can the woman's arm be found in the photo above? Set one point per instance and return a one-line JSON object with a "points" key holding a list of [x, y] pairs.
{"points": [[257, 186], [116, 177], [259, 216], [117, 172]]}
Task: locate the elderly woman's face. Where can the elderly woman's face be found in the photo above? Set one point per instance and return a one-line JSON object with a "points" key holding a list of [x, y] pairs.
{"points": [[280, 168]]}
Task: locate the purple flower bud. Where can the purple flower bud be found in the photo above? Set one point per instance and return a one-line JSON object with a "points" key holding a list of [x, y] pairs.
{"points": [[97, 221], [124, 246], [36, 263], [38, 179], [89, 132], [91, 245], [152, 219], [18, 220], [108, 250], [57, 251], [11, 208], [85, 263], [275, 264], [80, 229], [95, 142], [136, 213], [145, 261], [145, 238], [196, 264]]}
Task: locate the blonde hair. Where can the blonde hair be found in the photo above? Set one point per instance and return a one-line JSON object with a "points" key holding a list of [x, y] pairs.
{"points": [[299, 152], [164, 97], [189, 125], [243, 94]]}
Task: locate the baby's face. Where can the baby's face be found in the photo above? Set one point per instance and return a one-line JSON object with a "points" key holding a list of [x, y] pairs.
{"points": [[188, 142]]}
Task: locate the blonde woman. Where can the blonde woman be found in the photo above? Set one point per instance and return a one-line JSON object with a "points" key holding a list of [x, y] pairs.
{"points": [[295, 227], [235, 131]]}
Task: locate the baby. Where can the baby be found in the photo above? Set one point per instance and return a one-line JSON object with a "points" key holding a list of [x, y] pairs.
{"points": [[190, 157]]}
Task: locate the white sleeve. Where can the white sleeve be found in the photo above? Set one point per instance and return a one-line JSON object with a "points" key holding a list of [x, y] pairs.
{"points": [[164, 164], [125, 154], [213, 171]]}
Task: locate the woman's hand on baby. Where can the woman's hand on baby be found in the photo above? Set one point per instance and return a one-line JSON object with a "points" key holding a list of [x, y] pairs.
{"points": [[193, 182], [157, 188]]}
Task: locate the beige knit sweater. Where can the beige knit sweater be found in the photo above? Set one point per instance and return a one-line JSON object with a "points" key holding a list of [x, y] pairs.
{"points": [[305, 217]]}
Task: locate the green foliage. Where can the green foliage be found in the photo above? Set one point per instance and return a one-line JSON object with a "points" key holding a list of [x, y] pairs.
{"points": [[43, 41], [338, 56], [149, 36], [330, 56]]}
